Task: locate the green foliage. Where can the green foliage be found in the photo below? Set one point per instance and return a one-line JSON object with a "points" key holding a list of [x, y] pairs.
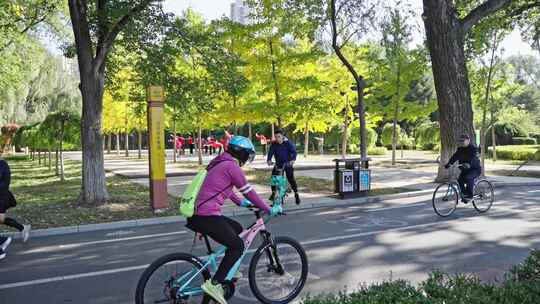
{"points": [[523, 141], [428, 136], [387, 134], [522, 152], [505, 131], [521, 285], [354, 141]]}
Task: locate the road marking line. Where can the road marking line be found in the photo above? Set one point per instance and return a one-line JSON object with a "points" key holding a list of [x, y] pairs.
{"points": [[139, 237], [133, 268]]}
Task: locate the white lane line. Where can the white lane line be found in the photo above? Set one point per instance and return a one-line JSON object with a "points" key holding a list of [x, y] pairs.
{"points": [[77, 245], [139, 237], [126, 269], [71, 277]]}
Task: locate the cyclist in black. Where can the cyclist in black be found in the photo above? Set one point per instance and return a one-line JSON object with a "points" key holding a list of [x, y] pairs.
{"points": [[467, 156], [7, 200], [285, 154]]}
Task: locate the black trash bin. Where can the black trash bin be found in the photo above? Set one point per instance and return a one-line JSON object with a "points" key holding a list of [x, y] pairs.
{"points": [[352, 179]]}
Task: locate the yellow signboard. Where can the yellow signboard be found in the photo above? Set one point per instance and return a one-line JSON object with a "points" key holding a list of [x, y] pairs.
{"points": [[155, 93], [157, 145], [156, 132]]}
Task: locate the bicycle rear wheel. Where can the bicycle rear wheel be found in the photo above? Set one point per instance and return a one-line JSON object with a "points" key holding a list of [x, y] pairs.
{"points": [[445, 199], [483, 196], [278, 274], [161, 281]]}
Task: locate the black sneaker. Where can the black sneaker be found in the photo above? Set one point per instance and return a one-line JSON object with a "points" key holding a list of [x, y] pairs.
{"points": [[465, 200], [297, 198], [272, 197], [5, 244]]}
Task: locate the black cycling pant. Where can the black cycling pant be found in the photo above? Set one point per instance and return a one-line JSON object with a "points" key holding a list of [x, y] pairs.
{"points": [[224, 231], [466, 181], [289, 172]]}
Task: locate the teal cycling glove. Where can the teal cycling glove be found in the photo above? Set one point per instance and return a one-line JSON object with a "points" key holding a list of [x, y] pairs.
{"points": [[246, 203]]}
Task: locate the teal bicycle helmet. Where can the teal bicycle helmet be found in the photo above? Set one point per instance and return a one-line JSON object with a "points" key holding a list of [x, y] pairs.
{"points": [[242, 149]]}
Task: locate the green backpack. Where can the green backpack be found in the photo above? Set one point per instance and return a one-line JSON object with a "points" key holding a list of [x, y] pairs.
{"points": [[189, 197]]}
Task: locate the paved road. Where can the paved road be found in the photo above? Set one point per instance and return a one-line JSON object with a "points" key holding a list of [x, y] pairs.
{"points": [[345, 246]]}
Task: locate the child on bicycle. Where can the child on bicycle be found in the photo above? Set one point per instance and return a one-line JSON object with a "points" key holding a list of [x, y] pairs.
{"points": [[224, 173], [467, 156]]}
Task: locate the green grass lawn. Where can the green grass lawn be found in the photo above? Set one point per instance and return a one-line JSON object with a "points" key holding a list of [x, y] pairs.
{"points": [[45, 201]]}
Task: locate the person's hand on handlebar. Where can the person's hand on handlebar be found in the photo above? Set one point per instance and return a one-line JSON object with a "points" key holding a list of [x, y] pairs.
{"points": [[466, 166], [447, 166], [246, 203], [270, 163], [291, 163]]}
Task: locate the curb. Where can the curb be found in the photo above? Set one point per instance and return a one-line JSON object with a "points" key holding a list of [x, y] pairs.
{"points": [[324, 202]]}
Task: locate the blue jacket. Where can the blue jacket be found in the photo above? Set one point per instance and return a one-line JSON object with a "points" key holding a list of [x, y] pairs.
{"points": [[5, 175], [283, 153]]}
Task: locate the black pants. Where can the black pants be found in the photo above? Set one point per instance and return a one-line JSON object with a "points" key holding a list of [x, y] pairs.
{"points": [[224, 231], [289, 172], [191, 148], [466, 181]]}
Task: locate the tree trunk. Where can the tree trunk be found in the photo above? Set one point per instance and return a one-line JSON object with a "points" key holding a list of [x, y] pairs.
{"points": [[360, 84], [62, 170], [250, 131], [57, 172], [275, 80], [109, 143], [445, 40], [174, 141], [94, 190], [139, 142], [306, 141], [118, 143], [39, 157], [395, 118], [493, 136], [273, 132], [50, 159], [127, 143], [483, 130], [199, 153]]}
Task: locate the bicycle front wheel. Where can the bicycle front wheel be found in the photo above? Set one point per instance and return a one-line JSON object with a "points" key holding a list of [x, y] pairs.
{"points": [[278, 272], [174, 278], [483, 196], [445, 199]]}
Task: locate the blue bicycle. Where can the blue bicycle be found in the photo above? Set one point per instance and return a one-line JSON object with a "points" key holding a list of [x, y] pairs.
{"points": [[277, 272]]}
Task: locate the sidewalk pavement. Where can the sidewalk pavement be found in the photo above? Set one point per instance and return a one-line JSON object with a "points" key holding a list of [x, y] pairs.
{"points": [[418, 181]]}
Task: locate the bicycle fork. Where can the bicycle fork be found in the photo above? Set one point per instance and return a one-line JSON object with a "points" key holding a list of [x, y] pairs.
{"points": [[271, 254]]}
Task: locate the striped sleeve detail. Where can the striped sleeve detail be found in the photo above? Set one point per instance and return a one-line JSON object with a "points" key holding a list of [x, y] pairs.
{"points": [[246, 188]]}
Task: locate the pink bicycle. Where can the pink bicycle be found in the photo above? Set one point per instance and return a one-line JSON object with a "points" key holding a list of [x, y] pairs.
{"points": [[277, 272]]}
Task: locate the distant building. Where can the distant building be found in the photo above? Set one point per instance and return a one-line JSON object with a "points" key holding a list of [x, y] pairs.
{"points": [[240, 12]]}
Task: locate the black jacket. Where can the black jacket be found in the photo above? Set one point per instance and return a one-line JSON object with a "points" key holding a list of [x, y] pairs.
{"points": [[5, 175], [467, 155], [283, 153]]}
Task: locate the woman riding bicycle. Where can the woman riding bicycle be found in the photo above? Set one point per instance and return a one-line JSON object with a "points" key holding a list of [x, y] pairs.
{"points": [[224, 173]]}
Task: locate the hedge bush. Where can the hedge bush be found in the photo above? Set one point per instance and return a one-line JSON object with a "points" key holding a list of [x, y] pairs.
{"points": [[354, 139], [523, 141], [516, 152], [504, 132], [377, 151], [520, 286], [428, 136]]}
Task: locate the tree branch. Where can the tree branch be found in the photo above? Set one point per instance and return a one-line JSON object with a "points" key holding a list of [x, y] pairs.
{"points": [[485, 9], [335, 46], [110, 36], [520, 10]]}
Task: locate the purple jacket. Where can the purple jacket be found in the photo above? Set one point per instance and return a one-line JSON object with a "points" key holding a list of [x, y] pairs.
{"points": [[224, 173]]}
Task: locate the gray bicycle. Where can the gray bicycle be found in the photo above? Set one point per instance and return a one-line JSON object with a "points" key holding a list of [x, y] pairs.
{"points": [[447, 195]]}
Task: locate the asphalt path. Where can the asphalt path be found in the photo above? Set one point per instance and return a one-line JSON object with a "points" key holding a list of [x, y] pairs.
{"points": [[346, 246]]}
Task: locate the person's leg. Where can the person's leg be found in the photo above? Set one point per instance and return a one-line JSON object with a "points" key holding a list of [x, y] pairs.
{"points": [[289, 171], [274, 188], [224, 231], [469, 180], [462, 182], [24, 229]]}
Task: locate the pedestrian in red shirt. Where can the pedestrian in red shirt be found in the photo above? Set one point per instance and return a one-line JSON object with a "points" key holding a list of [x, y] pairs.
{"points": [[262, 139], [191, 145]]}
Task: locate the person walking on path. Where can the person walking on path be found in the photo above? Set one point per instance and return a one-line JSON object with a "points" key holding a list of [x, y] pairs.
{"points": [[284, 153], [262, 139], [191, 145], [7, 200]]}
